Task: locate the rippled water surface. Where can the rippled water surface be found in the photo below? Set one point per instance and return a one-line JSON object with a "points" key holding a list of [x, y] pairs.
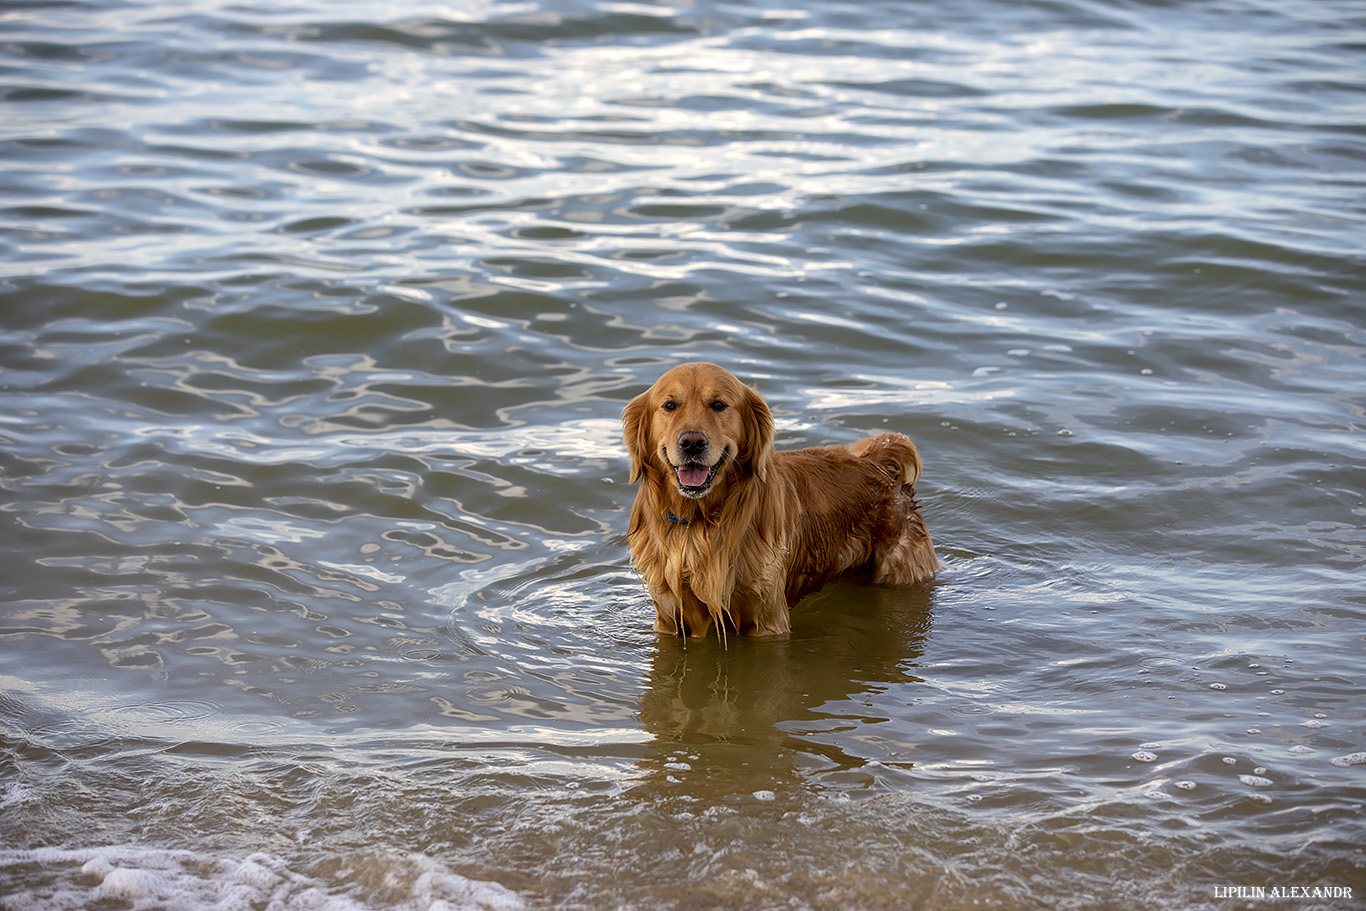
{"points": [[316, 322]]}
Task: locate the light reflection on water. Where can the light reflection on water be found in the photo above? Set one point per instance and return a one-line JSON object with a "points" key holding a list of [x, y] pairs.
{"points": [[315, 328]]}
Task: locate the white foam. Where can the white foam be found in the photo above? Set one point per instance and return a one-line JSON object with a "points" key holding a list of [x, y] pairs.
{"points": [[143, 879], [15, 795]]}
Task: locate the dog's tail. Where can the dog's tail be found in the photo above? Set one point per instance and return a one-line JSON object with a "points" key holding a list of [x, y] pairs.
{"points": [[894, 453], [908, 556]]}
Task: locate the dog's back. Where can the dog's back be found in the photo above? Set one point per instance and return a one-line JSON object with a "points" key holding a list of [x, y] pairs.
{"points": [[855, 510]]}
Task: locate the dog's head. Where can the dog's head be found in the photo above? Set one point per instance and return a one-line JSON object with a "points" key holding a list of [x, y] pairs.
{"points": [[696, 425]]}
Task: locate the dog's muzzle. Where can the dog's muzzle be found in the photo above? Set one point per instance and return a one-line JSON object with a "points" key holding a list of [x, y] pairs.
{"points": [[694, 475]]}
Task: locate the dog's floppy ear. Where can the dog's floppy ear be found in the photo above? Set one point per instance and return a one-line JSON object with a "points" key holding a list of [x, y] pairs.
{"points": [[758, 433], [635, 431]]}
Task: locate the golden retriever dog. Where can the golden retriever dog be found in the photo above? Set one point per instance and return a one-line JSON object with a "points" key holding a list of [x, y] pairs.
{"points": [[725, 530]]}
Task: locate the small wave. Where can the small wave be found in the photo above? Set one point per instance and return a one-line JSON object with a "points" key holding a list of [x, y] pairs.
{"points": [[146, 878]]}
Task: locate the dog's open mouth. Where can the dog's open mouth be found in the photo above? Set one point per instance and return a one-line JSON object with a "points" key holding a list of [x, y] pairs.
{"points": [[694, 478]]}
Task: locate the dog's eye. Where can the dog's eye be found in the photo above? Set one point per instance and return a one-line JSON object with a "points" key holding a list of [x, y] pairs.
{"points": [[718, 405], [670, 406]]}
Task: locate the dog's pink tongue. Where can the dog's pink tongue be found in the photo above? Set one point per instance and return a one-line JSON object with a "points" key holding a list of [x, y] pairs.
{"points": [[693, 475]]}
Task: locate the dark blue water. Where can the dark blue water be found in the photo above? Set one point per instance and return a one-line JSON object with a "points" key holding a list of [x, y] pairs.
{"points": [[316, 322]]}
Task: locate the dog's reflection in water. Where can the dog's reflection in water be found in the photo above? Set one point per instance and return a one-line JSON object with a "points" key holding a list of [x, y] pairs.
{"points": [[757, 714]]}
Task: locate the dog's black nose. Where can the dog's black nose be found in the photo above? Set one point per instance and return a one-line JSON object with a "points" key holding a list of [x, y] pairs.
{"points": [[692, 444]]}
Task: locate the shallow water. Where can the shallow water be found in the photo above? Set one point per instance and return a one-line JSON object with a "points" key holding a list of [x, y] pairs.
{"points": [[317, 323]]}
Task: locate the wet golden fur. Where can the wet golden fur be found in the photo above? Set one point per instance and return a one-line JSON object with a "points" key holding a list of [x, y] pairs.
{"points": [[725, 530]]}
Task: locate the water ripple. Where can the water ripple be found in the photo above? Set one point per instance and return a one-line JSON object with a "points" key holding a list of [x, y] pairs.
{"points": [[318, 322]]}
